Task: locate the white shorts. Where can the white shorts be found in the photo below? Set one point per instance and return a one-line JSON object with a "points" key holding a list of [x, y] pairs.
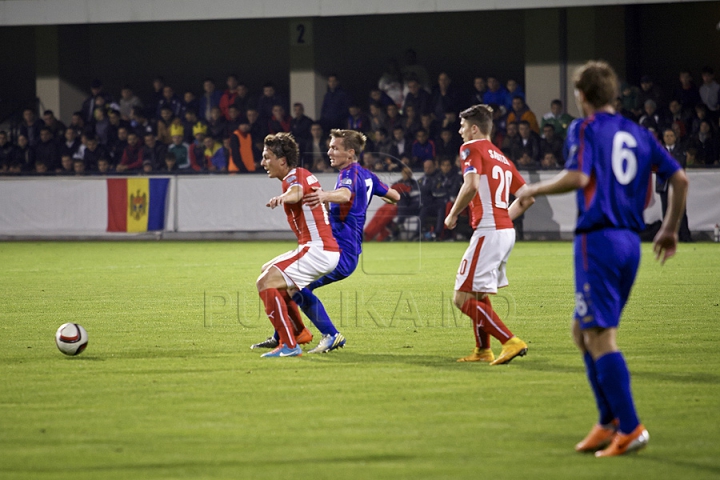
{"points": [[305, 264], [482, 268]]}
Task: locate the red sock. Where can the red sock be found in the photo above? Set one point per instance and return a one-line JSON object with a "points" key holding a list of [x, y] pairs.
{"points": [[293, 313], [277, 312], [483, 315]]}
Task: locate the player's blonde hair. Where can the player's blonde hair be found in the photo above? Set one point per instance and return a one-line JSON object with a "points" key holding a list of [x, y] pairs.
{"points": [[284, 145], [481, 115], [598, 82], [352, 140]]}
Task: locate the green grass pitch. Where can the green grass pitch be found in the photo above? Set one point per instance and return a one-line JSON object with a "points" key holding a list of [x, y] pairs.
{"points": [[168, 387]]}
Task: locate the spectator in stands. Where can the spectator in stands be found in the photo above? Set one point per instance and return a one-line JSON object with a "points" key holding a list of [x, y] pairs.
{"points": [[197, 148], [40, 168], [101, 126], [513, 90], [401, 143], [384, 146], [241, 157], [427, 121], [216, 125], [530, 155], [377, 116], [210, 99], [91, 102], [550, 142], [179, 148], [447, 145], [46, 150], [411, 122], [650, 117], [79, 166], [709, 91], [520, 111], [451, 122], [94, 152], [512, 145], [213, 158], [434, 195], [478, 90], [444, 97], [128, 101], [65, 167], [189, 101], [417, 97], [163, 125], [140, 124], [147, 166], [300, 125], [280, 121], [334, 111], [422, 148], [380, 97], [154, 151], [267, 101], [169, 100], [190, 121], [115, 151], [391, 84], [317, 149], [700, 116], [243, 100], [557, 118], [705, 143], [158, 84], [71, 143], [229, 95], [393, 119], [549, 161], [629, 98], [77, 123], [30, 126], [103, 166], [257, 131], [57, 128], [687, 92], [676, 116], [7, 151], [495, 93], [132, 158], [169, 163], [356, 120], [670, 141], [234, 120], [648, 91], [115, 123], [411, 69]]}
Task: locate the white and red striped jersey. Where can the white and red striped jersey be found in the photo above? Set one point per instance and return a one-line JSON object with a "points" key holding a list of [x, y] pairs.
{"points": [[498, 179], [310, 225]]}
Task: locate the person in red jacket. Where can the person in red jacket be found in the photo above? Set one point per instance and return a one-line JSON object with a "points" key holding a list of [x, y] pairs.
{"points": [[132, 158]]}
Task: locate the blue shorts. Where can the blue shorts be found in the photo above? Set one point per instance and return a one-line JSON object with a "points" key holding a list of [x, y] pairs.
{"points": [[345, 267], [606, 262]]}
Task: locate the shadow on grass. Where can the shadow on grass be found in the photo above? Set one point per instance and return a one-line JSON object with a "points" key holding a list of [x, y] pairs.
{"points": [[646, 457], [222, 464]]}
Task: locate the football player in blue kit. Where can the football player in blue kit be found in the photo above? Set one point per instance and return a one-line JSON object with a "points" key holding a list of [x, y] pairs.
{"points": [[353, 192], [609, 161]]}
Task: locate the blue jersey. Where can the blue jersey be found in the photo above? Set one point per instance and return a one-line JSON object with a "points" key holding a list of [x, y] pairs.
{"points": [[619, 156], [348, 219]]}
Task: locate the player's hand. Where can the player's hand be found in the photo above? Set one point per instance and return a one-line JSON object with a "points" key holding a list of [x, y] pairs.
{"points": [[528, 191], [451, 221], [275, 202], [665, 245], [315, 198]]}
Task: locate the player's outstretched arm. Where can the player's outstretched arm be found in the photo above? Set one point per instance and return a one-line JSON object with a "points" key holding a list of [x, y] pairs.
{"points": [[292, 195], [520, 205], [318, 196], [665, 242], [565, 181], [392, 196], [470, 186]]}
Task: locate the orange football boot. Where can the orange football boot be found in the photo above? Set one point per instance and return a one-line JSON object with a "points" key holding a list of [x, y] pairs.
{"points": [[622, 444], [599, 437], [304, 337], [479, 355]]}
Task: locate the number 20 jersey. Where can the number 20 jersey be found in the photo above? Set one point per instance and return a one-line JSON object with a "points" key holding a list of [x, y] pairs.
{"points": [[619, 156], [498, 179]]}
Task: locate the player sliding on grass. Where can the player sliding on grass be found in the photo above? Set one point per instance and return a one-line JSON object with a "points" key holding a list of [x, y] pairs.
{"points": [[489, 179], [609, 163], [316, 255], [354, 189]]}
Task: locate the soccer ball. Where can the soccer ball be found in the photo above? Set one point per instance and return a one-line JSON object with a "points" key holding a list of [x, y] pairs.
{"points": [[71, 338]]}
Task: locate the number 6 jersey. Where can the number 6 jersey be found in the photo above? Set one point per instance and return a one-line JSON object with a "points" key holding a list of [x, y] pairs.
{"points": [[619, 156], [498, 179]]}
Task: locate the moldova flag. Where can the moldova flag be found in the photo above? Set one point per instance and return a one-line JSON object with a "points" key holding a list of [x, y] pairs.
{"points": [[136, 204]]}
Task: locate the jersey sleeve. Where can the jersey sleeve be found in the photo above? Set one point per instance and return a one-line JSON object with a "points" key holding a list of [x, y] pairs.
{"points": [[379, 188], [348, 179], [663, 164], [295, 179], [517, 180], [472, 163], [577, 157]]}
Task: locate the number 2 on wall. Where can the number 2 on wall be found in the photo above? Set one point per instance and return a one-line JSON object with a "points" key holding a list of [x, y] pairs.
{"points": [[502, 194]]}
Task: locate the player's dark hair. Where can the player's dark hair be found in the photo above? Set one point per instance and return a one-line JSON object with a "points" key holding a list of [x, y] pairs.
{"points": [[598, 82], [283, 145], [352, 140], [480, 115]]}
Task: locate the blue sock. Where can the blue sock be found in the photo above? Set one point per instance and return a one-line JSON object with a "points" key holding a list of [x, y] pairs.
{"points": [[614, 379], [313, 308], [276, 335], [606, 415]]}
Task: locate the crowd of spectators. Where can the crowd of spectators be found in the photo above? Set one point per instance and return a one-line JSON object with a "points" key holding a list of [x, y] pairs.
{"points": [[410, 123]]}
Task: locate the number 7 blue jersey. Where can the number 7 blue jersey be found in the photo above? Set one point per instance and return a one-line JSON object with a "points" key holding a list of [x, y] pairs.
{"points": [[619, 156], [348, 219]]}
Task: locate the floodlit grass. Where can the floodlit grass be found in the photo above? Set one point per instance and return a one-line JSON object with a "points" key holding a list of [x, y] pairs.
{"points": [[168, 387]]}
